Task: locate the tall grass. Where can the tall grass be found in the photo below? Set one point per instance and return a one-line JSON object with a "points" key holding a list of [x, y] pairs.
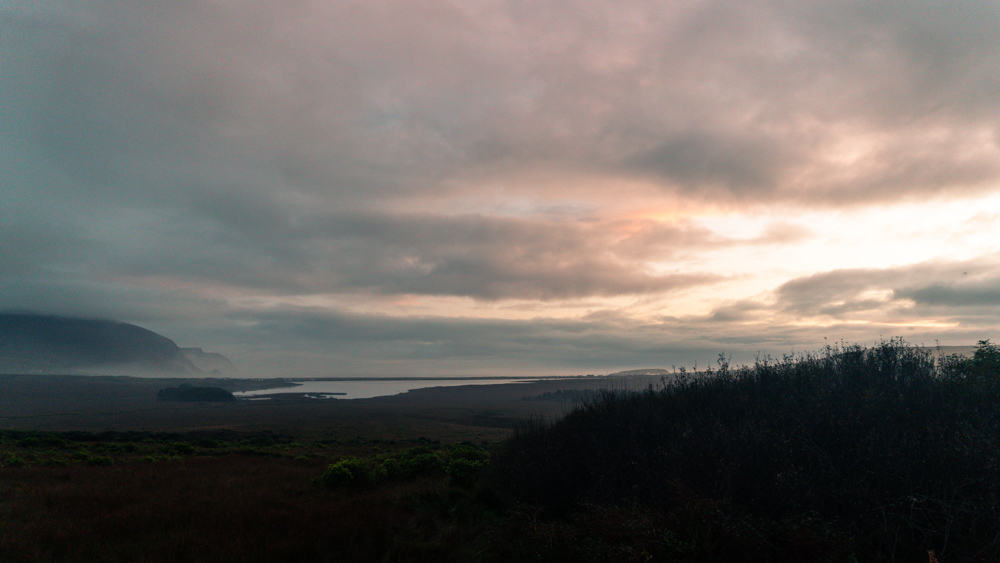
{"points": [[876, 453]]}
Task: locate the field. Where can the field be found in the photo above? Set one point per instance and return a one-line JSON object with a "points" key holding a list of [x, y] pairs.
{"points": [[95, 468], [205, 497]]}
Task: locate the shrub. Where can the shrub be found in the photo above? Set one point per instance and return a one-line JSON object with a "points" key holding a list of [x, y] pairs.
{"points": [[180, 448], [985, 363], [460, 463], [873, 450], [350, 471], [420, 460], [464, 463], [463, 471]]}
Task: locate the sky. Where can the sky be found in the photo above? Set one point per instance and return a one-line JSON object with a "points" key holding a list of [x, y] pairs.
{"points": [[503, 187]]}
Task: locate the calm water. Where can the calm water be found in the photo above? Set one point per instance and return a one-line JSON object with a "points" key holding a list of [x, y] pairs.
{"points": [[365, 389]]}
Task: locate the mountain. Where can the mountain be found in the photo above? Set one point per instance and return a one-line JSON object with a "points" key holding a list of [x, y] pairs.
{"points": [[211, 362], [32, 343]]}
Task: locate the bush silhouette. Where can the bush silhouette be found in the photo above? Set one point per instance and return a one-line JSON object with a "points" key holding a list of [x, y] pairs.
{"points": [[875, 450]]}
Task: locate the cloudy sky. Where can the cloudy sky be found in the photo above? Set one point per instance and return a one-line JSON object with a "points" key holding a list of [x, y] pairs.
{"points": [[500, 186]]}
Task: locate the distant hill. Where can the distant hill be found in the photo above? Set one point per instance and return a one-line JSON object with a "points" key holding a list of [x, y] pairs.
{"points": [[32, 343], [211, 362], [647, 371]]}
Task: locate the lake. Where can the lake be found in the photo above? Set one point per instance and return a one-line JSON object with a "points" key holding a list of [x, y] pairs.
{"points": [[368, 388]]}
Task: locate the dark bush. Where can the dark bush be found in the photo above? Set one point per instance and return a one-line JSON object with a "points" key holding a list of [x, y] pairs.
{"points": [[874, 451], [418, 461]]}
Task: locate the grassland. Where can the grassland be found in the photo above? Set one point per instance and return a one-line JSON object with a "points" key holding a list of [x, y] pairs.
{"points": [[212, 497]]}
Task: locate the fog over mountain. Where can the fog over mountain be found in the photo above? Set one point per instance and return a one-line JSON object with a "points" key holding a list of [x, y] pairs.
{"points": [[212, 362], [31, 343]]}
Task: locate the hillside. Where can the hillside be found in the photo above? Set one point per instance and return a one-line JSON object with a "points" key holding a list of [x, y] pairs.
{"points": [[31, 343], [209, 362]]}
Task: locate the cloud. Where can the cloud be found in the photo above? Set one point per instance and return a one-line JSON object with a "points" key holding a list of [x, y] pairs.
{"points": [[473, 256], [969, 282], [741, 163], [983, 293], [159, 159], [817, 103], [448, 345]]}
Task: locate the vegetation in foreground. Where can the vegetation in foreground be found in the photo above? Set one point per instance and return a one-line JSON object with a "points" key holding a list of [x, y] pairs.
{"points": [[852, 454], [228, 496]]}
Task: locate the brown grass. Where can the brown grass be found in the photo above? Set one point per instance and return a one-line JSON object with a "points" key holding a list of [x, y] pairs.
{"points": [[228, 508]]}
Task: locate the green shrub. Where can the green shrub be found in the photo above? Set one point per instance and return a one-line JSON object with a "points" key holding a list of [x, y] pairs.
{"points": [[390, 467], [461, 463], [465, 462], [349, 471], [420, 460], [462, 471]]}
